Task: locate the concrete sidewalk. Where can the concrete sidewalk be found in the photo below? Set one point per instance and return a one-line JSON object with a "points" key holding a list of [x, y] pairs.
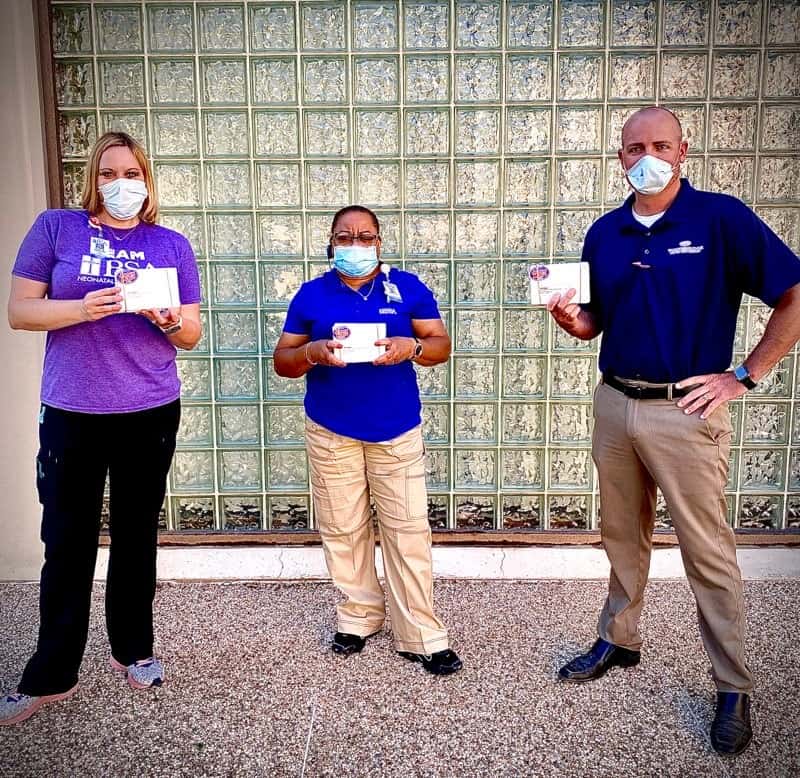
{"points": [[253, 690]]}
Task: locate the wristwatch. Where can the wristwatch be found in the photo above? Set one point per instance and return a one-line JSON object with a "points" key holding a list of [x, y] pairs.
{"points": [[742, 375], [417, 350], [173, 328]]}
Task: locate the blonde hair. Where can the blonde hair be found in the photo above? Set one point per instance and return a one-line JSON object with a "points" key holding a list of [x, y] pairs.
{"points": [[91, 199]]}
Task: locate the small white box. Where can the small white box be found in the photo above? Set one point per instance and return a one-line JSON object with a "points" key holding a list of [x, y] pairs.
{"points": [[558, 278], [358, 341], [150, 287]]}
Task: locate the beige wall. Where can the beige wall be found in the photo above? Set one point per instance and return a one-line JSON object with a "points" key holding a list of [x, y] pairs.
{"points": [[22, 195]]}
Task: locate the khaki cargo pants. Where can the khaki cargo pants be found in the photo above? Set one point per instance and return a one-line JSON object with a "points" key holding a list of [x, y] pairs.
{"points": [[344, 474], [638, 445]]}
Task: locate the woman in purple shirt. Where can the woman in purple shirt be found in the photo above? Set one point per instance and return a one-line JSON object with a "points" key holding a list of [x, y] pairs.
{"points": [[109, 407]]}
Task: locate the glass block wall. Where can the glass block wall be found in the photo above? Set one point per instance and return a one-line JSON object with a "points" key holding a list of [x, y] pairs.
{"points": [[484, 134]]}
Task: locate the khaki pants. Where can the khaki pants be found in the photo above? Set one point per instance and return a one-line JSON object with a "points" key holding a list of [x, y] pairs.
{"points": [[638, 444], [344, 473]]}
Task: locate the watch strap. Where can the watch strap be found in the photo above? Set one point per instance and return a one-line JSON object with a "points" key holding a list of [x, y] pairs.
{"points": [[172, 329], [742, 375]]}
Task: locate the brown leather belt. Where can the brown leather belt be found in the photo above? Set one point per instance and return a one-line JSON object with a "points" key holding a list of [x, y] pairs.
{"points": [[665, 392]]}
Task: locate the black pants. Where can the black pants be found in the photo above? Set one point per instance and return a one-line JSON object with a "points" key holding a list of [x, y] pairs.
{"points": [[76, 452]]}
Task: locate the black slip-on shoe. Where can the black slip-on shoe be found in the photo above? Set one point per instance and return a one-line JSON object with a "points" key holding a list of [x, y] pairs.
{"points": [[344, 643], [731, 730], [443, 662], [600, 658]]}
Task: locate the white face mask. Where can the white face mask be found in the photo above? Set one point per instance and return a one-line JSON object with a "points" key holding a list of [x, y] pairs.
{"points": [[650, 175], [123, 197]]}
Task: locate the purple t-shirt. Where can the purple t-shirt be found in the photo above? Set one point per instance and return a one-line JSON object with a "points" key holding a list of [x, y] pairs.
{"points": [[121, 363]]}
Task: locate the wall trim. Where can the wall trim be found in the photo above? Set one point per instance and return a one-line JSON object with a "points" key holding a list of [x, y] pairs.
{"points": [[47, 78], [450, 537], [305, 564]]}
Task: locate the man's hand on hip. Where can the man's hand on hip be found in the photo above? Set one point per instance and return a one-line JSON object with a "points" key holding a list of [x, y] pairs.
{"points": [[710, 391]]}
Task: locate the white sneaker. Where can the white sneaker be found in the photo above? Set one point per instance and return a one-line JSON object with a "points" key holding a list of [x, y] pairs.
{"points": [[17, 707], [142, 674]]}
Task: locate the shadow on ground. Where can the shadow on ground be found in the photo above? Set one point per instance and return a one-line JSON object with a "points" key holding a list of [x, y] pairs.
{"points": [[249, 668]]}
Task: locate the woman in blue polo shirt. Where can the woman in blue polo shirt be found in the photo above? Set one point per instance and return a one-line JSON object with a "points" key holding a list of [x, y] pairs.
{"points": [[364, 439]]}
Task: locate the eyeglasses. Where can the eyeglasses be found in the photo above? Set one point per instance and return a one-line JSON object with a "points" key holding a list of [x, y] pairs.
{"points": [[348, 238]]}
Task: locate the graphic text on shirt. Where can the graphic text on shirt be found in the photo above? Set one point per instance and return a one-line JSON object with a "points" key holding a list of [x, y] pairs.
{"points": [[95, 268]]}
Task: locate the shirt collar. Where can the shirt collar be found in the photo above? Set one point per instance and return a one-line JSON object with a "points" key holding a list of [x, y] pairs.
{"points": [[680, 210]]}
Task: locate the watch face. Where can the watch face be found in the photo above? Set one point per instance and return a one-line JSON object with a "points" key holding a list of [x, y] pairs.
{"points": [[742, 375]]}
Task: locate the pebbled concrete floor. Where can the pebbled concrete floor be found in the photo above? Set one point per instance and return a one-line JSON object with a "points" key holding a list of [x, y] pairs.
{"points": [[253, 690]]}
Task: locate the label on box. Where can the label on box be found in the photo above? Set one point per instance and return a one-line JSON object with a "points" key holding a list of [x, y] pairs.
{"points": [[358, 341], [150, 287], [547, 280]]}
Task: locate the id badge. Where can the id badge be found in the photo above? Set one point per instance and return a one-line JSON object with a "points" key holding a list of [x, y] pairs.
{"points": [[99, 247], [392, 292]]}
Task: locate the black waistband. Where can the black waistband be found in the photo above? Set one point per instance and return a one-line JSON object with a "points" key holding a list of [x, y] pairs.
{"points": [[667, 392]]}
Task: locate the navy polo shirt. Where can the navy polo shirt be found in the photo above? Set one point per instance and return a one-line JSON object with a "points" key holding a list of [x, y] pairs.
{"points": [[667, 296], [362, 401]]}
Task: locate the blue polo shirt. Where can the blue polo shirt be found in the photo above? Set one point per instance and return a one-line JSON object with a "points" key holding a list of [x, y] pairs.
{"points": [[362, 401], [667, 296]]}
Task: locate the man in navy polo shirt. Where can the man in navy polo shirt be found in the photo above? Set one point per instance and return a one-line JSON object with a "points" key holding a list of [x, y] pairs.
{"points": [[363, 436], [668, 271]]}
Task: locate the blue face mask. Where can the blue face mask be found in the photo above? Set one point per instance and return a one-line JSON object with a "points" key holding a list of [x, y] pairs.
{"points": [[355, 261]]}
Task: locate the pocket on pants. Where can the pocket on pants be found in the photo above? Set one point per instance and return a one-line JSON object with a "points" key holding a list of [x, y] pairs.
{"points": [[48, 475], [416, 492], [336, 472], [719, 426], [399, 491], [407, 446], [330, 500]]}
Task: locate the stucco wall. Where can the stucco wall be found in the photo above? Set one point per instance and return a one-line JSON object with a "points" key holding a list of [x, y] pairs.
{"points": [[23, 194]]}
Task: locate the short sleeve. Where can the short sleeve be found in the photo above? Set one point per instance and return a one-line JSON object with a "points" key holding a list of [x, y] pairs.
{"points": [[36, 255], [188, 274], [424, 303], [587, 255], [766, 266], [297, 320]]}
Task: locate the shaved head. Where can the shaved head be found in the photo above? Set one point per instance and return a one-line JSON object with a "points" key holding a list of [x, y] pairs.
{"points": [[653, 132], [653, 114]]}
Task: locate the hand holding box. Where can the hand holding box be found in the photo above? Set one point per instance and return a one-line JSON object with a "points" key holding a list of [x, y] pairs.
{"points": [[558, 278], [147, 288], [358, 340]]}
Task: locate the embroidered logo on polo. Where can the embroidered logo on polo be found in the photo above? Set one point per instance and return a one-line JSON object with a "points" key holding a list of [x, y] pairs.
{"points": [[387, 310], [685, 247]]}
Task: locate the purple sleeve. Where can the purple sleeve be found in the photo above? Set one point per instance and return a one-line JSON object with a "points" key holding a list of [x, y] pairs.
{"points": [[36, 257], [188, 274], [297, 322]]}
